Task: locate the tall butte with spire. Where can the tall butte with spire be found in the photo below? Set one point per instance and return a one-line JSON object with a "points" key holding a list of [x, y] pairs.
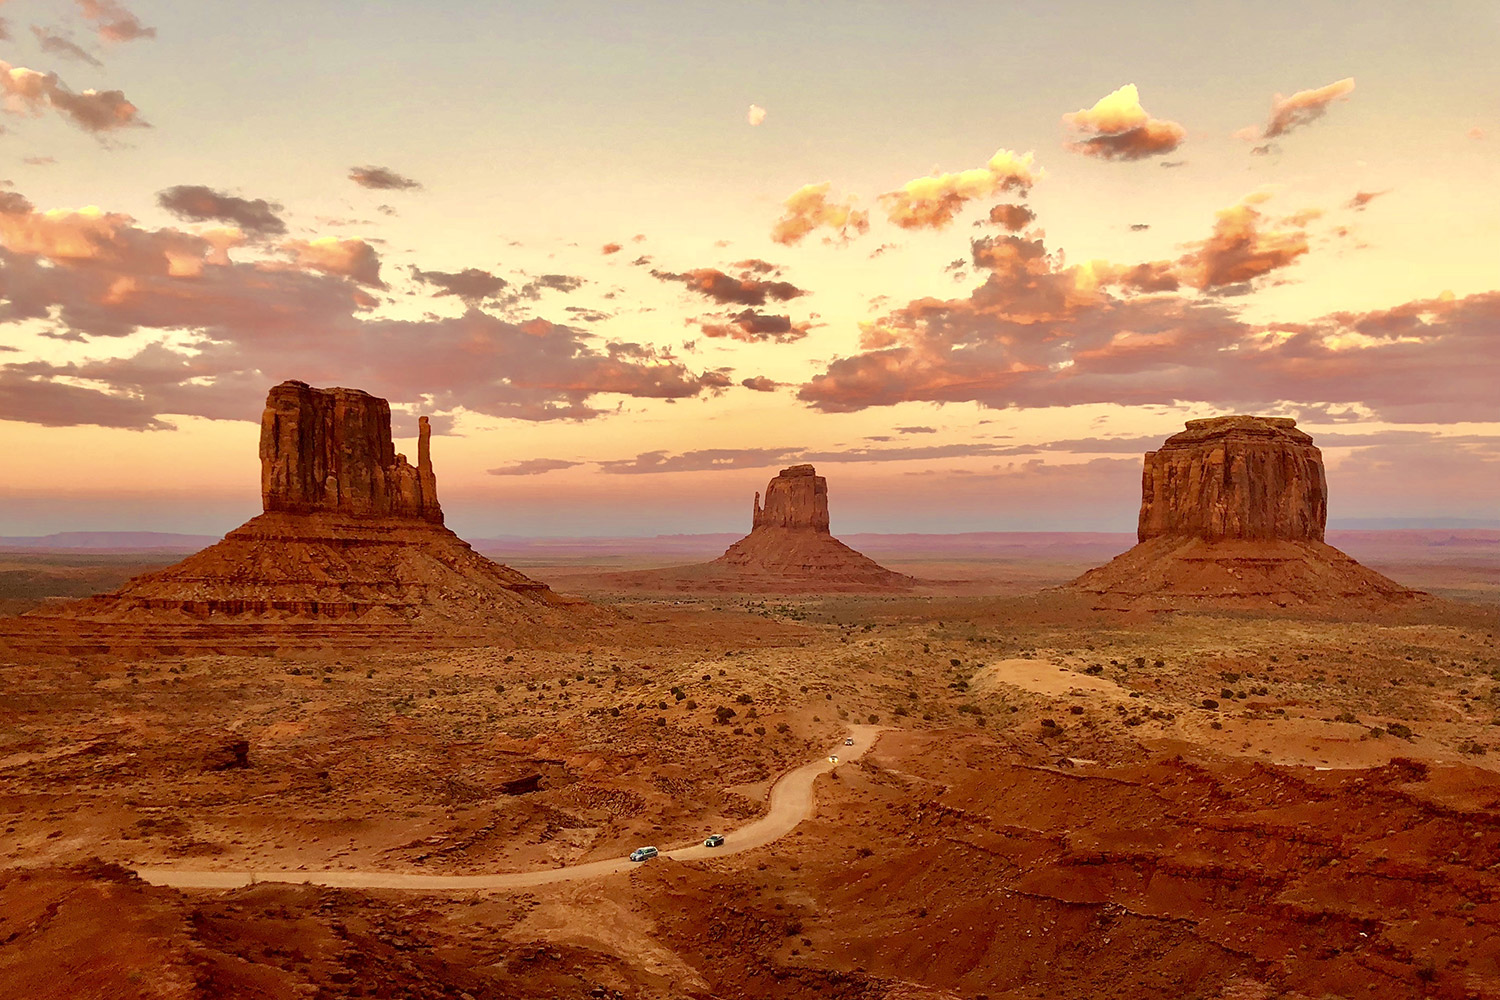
{"points": [[790, 545], [1233, 511], [350, 548]]}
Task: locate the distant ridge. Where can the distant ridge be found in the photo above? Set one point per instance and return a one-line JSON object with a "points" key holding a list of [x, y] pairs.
{"points": [[111, 541]]}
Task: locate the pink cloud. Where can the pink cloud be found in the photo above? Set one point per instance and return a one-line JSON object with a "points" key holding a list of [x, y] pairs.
{"points": [[1118, 128], [27, 91], [1302, 108], [113, 22], [809, 208], [933, 202]]}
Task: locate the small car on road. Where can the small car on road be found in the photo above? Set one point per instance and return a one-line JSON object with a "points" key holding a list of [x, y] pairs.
{"points": [[714, 840], [848, 741], [833, 760], [643, 853]]}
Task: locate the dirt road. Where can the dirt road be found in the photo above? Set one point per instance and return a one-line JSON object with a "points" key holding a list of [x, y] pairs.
{"points": [[791, 801]]}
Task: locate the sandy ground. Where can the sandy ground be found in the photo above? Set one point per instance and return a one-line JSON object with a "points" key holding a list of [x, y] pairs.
{"points": [[788, 804], [1063, 803]]}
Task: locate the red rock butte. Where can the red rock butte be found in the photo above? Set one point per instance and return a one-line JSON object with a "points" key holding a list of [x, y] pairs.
{"points": [[350, 550], [1232, 515], [790, 544]]}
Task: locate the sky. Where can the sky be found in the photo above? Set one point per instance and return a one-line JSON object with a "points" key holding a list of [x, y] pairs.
{"points": [[970, 259]]}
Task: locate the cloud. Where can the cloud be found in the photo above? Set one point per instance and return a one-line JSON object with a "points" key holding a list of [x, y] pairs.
{"points": [[1302, 108], [726, 289], [27, 91], [809, 208], [916, 430], [609, 248], [1363, 198], [651, 462], [61, 45], [1244, 245], [932, 202], [58, 404], [735, 459], [349, 258], [756, 114], [1118, 128], [237, 326], [113, 22], [471, 284], [381, 179], [1475, 133], [759, 383], [533, 467], [750, 327], [1012, 217], [197, 203], [1040, 333], [551, 282]]}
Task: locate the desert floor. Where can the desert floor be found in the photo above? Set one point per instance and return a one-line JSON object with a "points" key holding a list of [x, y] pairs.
{"points": [[1058, 802]]}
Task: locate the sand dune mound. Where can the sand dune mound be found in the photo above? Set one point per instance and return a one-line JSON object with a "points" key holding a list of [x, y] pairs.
{"points": [[351, 549], [1233, 511]]}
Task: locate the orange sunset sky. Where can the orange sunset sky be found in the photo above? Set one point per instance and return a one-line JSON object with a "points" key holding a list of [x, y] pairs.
{"points": [[971, 259]]}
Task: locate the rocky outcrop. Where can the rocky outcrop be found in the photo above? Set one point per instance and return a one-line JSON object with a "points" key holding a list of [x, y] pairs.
{"points": [[1235, 477], [790, 546], [1232, 516], [350, 551], [331, 450], [797, 498]]}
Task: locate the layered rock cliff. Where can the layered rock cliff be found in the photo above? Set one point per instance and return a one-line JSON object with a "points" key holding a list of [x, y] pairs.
{"points": [[1235, 477], [1232, 516], [331, 450], [351, 550], [791, 547], [796, 498]]}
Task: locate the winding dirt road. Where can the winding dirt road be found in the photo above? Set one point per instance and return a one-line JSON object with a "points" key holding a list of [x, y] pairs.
{"points": [[791, 802]]}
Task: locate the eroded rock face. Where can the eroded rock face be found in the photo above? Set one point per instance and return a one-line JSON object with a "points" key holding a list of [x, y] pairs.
{"points": [[1252, 478], [331, 450], [796, 498]]}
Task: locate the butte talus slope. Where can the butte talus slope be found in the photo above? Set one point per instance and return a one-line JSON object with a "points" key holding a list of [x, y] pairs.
{"points": [[789, 544], [351, 544], [1232, 516]]}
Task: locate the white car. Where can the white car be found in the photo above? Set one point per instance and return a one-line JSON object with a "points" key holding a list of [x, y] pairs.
{"points": [[643, 853], [849, 741], [833, 760]]}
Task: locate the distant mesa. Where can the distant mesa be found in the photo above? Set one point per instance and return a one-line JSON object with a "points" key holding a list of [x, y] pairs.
{"points": [[790, 542], [350, 548], [789, 550], [1232, 515]]}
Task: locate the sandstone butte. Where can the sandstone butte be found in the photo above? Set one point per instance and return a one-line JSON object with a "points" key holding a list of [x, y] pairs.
{"points": [[1232, 516], [350, 548], [790, 545]]}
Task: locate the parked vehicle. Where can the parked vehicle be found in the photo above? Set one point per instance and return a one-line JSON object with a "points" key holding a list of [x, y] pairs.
{"points": [[833, 760], [643, 853], [714, 840], [849, 741]]}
